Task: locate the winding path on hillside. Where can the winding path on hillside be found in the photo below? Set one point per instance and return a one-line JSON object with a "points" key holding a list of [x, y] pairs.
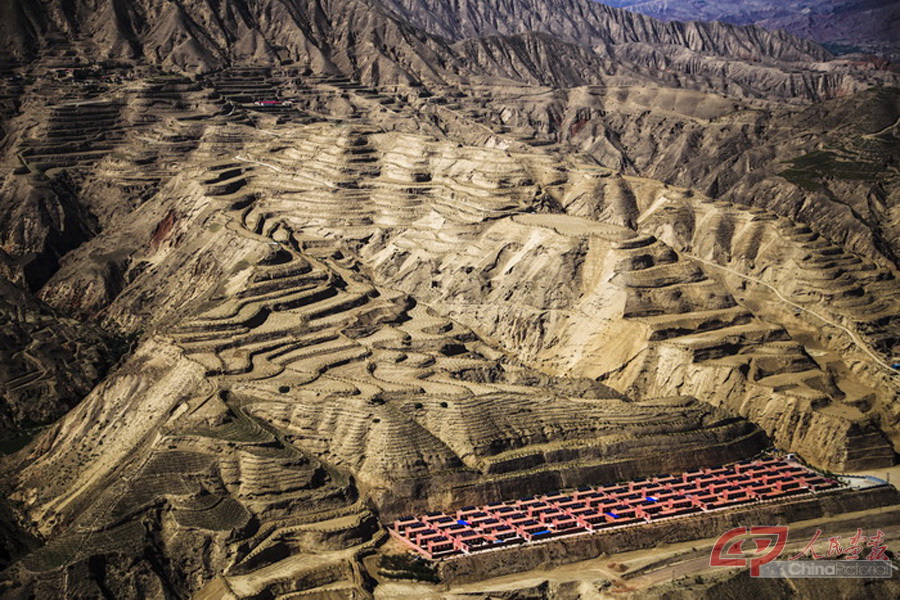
{"points": [[853, 336]]}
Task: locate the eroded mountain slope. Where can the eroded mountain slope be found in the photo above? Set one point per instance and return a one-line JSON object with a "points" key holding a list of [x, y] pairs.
{"points": [[406, 271], [291, 389], [850, 25]]}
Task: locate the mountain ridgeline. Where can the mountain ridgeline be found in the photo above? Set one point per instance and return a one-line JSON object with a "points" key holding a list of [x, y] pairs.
{"points": [[847, 26], [275, 273], [384, 41]]}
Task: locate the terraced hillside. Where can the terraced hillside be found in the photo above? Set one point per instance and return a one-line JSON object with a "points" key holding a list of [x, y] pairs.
{"points": [[293, 389], [49, 362], [294, 270]]}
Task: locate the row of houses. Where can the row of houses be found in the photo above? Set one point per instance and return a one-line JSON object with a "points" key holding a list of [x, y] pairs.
{"points": [[593, 509]]}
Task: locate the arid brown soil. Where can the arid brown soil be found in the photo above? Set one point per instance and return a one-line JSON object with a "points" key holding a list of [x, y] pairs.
{"points": [[274, 273]]}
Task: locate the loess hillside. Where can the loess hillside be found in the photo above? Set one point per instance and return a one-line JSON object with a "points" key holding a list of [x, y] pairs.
{"points": [[274, 273]]}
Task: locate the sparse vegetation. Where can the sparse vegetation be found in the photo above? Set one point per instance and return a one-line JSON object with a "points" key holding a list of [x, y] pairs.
{"points": [[406, 566], [123, 344], [313, 256], [13, 440], [809, 170]]}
